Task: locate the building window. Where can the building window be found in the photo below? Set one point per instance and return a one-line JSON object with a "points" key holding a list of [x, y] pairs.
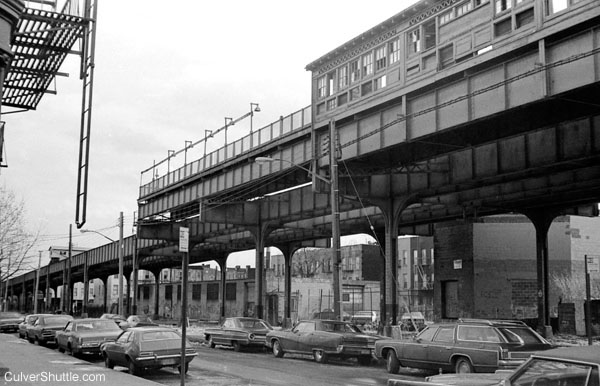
{"points": [[446, 17], [322, 87], [524, 18], [503, 27], [354, 94], [178, 292], [430, 35], [342, 77], [464, 8], [555, 6], [346, 297], [380, 82], [212, 291], [380, 58], [414, 41], [74, 292], [481, 2], [367, 64], [404, 256], [355, 71], [415, 257], [146, 291], [230, 291], [446, 56], [394, 49], [331, 104], [115, 291], [503, 5], [405, 280], [366, 88], [330, 83], [342, 99], [169, 292]]}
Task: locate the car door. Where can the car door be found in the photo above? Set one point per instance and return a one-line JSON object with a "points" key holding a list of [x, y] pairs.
{"points": [[414, 353], [116, 350], [62, 337], [303, 338], [441, 348]]}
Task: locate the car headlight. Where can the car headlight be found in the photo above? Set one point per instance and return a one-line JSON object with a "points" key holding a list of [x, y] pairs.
{"points": [[251, 336]]}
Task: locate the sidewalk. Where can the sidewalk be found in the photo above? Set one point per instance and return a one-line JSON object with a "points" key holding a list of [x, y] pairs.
{"points": [[22, 363]]}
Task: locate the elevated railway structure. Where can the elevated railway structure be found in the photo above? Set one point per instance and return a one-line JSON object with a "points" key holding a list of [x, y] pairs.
{"points": [[447, 110]]}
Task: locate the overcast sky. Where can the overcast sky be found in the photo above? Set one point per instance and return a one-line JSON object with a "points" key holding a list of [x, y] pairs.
{"points": [[165, 72]]}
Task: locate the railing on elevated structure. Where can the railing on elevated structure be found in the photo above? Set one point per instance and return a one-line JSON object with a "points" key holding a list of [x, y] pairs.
{"points": [[285, 125]]}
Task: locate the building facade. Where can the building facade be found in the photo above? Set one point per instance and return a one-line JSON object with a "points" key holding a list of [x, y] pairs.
{"points": [[415, 275]]}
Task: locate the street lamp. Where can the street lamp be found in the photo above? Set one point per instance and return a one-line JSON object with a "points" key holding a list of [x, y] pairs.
{"points": [[228, 122], [120, 258], [335, 223]]}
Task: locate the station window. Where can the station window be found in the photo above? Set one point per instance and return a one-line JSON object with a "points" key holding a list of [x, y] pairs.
{"points": [[394, 50], [430, 35], [380, 58], [367, 64], [503, 5], [446, 17], [503, 27], [464, 8], [354, 93], [330, 83], [414, 41], [366, 88], [342, 99], [322, 86], [331, 104], [524, 18], [342, 77], [446, 56], [481, 2], [554, 6], [380, 82], [355, 71]]}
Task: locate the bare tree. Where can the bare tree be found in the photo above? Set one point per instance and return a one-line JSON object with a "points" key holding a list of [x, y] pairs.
{"points": [[16, 243]]}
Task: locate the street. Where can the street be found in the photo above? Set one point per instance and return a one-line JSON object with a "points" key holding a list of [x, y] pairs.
{"points": [[223, 366]]}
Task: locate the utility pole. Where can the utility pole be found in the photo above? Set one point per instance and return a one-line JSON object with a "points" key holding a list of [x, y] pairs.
{"points": [[121, 265], [37, 285], [68, 299], [336, 255]]}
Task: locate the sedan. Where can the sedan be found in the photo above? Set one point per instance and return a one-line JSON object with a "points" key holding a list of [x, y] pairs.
{"points": [[139, 348], [44, 328], [28, 323], [565, 366], [238, 333], [323, 339], [84, 336], [9, 321], [116, 317]]}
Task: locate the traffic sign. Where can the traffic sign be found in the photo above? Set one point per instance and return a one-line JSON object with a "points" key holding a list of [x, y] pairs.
{"points": [[184, 239]]}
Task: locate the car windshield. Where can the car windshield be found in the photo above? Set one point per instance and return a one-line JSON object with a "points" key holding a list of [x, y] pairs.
{"points": [[159, 335], [10, 315], [339, 327], [254, 323], [522, 335], [57, 320], [96, 325], [554, 372]]}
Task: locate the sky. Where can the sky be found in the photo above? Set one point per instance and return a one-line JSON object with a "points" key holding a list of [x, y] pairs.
{"points": [[164, 73]]}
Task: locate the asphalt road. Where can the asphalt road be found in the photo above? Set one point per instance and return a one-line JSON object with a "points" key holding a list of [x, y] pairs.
{"points": [[223, 366]]}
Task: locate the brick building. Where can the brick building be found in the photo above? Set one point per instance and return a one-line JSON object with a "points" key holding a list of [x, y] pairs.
{"points": [[487, 268], [415, 275]]}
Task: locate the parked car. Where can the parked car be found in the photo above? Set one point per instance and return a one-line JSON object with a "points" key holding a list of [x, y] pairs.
{"points": [[147, 347], [137, 321], [9, 321], [364, 317], [466, 346], [44, 328], [116, 317], [27, 323], [84, 336], [568, 366], [238, 333], [329, 314], [323, 339]]}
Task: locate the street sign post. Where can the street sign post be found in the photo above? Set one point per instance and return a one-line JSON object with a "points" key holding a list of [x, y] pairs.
{"points": [[184, 241]]}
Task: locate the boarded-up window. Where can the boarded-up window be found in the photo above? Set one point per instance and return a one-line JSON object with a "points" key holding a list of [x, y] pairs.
{"points": [[212, 291], [196, 291], [230, 291]]}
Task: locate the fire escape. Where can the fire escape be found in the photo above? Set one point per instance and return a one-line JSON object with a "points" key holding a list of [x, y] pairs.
{"points": [[44, 37]]}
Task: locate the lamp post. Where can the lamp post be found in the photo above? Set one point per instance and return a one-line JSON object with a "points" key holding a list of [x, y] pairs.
{"points": [[120, 257], [335, 218], [228, 122], [254, 108]]}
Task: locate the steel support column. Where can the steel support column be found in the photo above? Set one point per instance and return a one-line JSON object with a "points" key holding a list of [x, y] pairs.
{"points": [[260, 233], [542, 219], [86, 286], [156, 274], [223, 266]]}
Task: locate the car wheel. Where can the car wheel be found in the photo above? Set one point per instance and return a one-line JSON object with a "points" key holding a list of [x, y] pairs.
{"points": [[236, 346], [392, 363], [211, 343], [133, 368], [277, 350], [107, 362], [320, 356], [463, 366], [30, 339], [186, 367]]}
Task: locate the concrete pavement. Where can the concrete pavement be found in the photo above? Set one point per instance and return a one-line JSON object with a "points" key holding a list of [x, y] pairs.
{"points": [[23, 364]]}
